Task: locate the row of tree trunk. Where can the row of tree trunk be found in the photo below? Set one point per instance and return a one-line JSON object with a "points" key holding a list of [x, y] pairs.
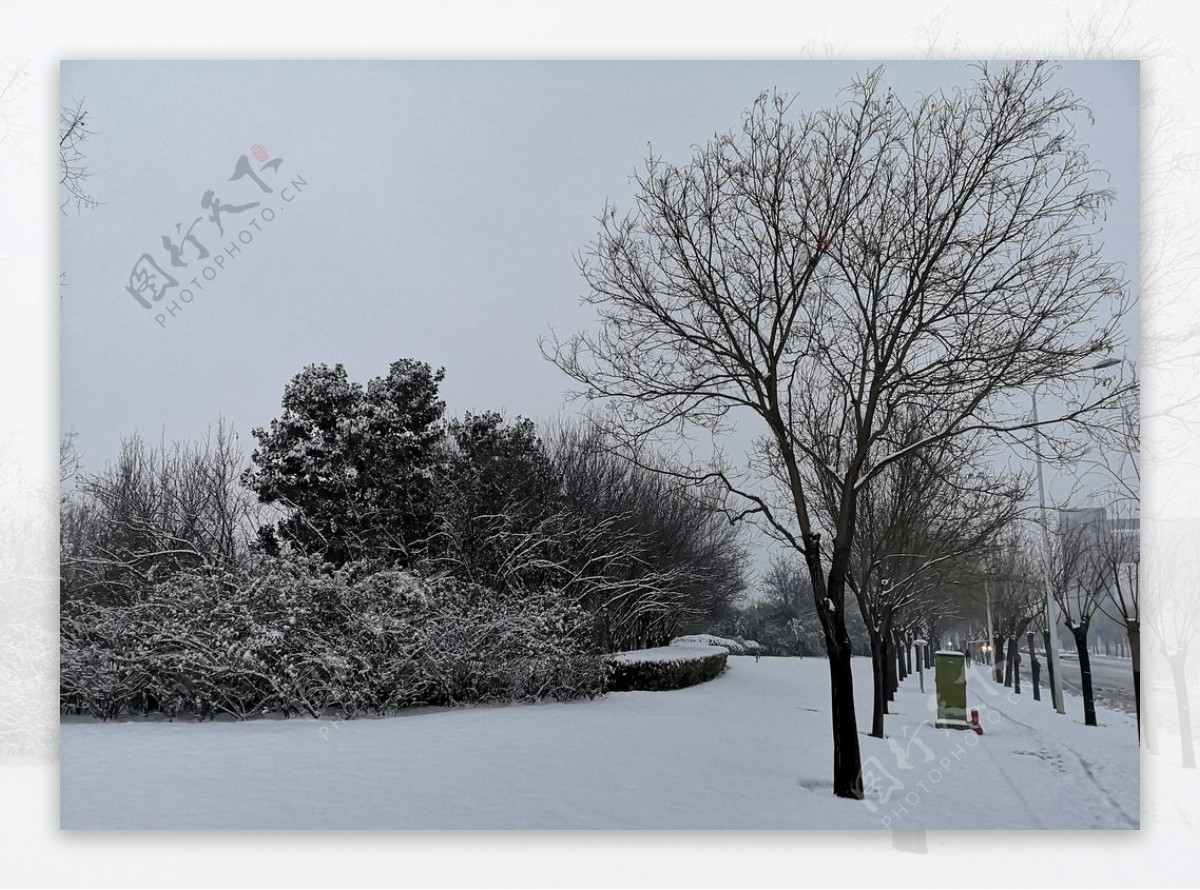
{"points": [[892, 656], [892, 661]]}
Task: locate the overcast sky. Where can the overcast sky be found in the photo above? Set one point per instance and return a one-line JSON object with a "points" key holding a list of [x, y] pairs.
{"points": [[444, 206]]}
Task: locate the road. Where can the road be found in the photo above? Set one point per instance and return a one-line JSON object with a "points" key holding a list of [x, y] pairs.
{"points": [[1112, 684], [1112, 679]]}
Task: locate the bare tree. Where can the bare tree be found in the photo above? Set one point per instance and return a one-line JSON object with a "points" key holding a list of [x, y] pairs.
{"points": [[786, 609], [1017, 599], [154, 511], [646, 555], [74, 132], [1077, 581], [835, 270], [1119, 553], [68, 459], [1117, 460], [1037, 629], [918, 523], [1115, 455]]}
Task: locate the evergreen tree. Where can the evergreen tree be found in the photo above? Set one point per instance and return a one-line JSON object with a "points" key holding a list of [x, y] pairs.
{"points": [[354, 467]]}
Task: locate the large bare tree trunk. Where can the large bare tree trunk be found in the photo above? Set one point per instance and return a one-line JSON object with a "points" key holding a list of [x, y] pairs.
{"points": [[998, 657], [1034, 668], [879, 707], [847, 762], [1085, 674], [1008, 664], [889, 667], [1049, 663], [1014, 646], [1134, 631], [830, 597]]}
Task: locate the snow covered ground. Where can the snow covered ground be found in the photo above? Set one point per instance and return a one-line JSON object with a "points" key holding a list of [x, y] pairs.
{"points": [[750, 749]]}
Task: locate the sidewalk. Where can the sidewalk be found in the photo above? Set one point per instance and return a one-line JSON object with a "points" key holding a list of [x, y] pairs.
{"points": [[1032, 767]]}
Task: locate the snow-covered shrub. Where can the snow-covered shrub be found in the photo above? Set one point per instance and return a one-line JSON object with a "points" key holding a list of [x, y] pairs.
{"points": [[475, 646], [735, 647], [667, 667], [285, 637]]}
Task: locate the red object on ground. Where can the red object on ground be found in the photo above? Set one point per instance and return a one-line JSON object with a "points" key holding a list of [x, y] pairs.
{"points": [[975, 721]]}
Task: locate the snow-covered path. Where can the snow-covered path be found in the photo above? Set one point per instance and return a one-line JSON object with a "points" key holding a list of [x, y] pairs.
{"points": [[1095, 769], [750, 749]]}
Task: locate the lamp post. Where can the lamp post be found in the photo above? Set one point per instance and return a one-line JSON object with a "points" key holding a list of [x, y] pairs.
{"points": [[1052, 616]]}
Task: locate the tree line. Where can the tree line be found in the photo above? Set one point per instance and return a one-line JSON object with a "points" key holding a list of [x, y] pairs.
{"points": [[366, 500]]}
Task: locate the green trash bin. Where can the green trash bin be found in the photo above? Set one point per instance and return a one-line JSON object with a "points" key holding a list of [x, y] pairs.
{"points": [[950, 670]]}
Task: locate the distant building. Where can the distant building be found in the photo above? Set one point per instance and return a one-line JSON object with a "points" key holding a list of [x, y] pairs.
{"points": [[1128, 528]]}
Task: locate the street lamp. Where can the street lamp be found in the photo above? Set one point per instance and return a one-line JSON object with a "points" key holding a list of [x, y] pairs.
{"points": [[1052, 616]]}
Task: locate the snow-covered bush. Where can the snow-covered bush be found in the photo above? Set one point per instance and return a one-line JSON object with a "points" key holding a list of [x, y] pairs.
{"points": [[735, 647], [667, 667], [285, 637]]}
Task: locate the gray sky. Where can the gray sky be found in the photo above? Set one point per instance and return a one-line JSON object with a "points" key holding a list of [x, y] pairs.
{"points": [[444, 206]]}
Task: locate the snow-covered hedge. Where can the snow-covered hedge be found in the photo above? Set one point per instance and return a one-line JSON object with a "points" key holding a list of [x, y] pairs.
{"points": [[667, 667], [284, 637], [735, 647]]}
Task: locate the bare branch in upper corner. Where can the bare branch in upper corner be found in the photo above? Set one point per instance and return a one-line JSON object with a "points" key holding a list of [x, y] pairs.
{"points": [[74, 132]]}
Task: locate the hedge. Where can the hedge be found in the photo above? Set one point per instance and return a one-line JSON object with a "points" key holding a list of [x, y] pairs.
{"points": [[735, 647], [668, 667]]}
